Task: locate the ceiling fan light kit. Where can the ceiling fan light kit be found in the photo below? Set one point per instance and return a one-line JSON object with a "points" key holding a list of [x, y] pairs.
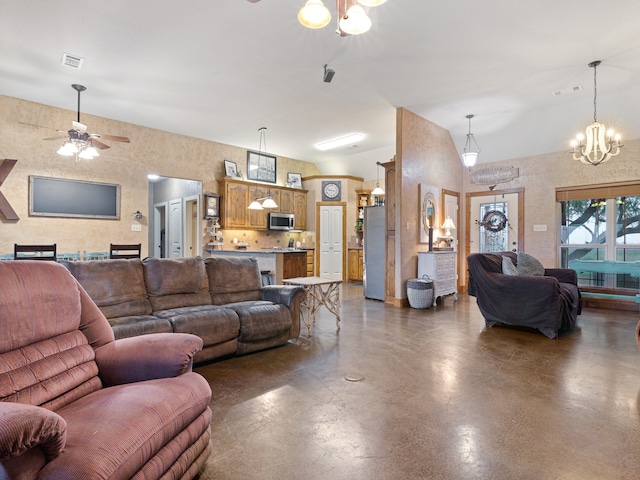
{"points": [[314, 14], [600, 144], [353, 20]]}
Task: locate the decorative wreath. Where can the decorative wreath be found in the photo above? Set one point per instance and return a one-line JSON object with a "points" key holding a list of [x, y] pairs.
{"points": [[494, 221]]}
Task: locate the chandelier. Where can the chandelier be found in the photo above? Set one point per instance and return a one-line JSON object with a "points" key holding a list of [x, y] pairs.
{"points": [[353, 20], [470, 154], [599, 144]]}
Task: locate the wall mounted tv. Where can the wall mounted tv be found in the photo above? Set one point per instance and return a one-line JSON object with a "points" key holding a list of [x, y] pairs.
{"points": [[59, 197]]}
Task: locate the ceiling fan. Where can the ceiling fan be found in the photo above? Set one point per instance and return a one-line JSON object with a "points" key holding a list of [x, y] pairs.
{"points": [[79, 142]]}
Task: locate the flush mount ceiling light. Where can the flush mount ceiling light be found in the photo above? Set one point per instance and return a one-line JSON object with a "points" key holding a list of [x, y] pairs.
{"points": [[377, 190], [600, 144], [470, 154], [339, 142], [353, 20]]}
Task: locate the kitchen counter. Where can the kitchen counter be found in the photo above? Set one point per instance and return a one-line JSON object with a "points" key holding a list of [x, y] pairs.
{"points": [[282, 263]]}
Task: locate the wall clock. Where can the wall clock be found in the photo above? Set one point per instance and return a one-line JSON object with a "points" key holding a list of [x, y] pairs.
{"points": [[211, 206], [331, 190]]}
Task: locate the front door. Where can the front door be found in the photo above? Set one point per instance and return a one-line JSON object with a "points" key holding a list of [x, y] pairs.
{"points": [[494, 223]]}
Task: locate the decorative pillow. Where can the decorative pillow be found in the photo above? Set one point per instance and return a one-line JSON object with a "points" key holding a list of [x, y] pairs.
{"points": [[528, 265], [508, 268]]}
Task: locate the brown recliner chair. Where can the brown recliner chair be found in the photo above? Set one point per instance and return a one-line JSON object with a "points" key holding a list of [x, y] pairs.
{"points": [[75, 403], [549, 302]]}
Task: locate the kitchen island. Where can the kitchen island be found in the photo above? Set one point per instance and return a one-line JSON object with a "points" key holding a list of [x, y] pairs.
{"points": [[282, 263]]}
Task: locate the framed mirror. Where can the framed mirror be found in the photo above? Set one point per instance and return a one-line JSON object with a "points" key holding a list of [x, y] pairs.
{"points": [[429, 213]]}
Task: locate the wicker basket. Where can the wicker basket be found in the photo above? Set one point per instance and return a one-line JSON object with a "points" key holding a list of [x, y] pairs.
{"points": [[420, 292]]}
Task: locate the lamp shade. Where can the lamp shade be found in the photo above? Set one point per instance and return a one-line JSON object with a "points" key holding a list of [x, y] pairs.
{"points": [[377, 191], [269, 203], [314, 14], [469, 159], [355, 21], [255, 205], [448, 224]]}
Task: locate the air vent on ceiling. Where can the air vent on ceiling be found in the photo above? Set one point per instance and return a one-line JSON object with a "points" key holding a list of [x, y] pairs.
{"points": [[72, 61], [564, 91]]}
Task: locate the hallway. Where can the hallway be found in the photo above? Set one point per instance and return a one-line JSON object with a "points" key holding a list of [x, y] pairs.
{"points": [[442, 397]]}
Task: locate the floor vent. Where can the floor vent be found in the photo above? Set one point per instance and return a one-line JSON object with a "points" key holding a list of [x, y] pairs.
{"points": [[72, 61]]}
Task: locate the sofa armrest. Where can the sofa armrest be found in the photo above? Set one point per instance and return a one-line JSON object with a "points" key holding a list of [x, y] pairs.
{"points": [[564, 275], [24, 427], [146, 357]]}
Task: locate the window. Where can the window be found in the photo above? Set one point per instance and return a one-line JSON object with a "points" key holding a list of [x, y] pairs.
{"points": [[604, 226]]}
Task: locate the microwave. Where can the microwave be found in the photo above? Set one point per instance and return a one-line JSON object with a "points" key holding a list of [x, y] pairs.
{"points": [[281, 221]]}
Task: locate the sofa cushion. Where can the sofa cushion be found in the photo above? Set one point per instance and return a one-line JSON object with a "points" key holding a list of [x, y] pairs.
{"points": [[212, 323], [125, 327], [173, 283], [262, 325], [508, 268], [243, 285], [116, 286]]}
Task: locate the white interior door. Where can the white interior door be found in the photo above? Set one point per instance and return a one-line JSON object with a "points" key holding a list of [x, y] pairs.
{"points": [[487, 229], [175, 228], [451, 210], [331, 241]]}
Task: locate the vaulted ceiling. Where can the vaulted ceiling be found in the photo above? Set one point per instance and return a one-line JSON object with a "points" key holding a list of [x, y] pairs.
{"points": [[220, 70]]}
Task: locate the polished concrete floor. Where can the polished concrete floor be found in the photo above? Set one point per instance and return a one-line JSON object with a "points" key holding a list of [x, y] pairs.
{"points": [[441, 397]]}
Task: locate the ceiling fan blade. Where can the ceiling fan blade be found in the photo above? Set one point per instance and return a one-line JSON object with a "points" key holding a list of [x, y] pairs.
{"points": [[111, 138], [57, 137], [79, 127], [99, 144]]}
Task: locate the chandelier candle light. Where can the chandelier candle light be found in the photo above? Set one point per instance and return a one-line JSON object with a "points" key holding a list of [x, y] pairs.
{"points": [[600, 144]]}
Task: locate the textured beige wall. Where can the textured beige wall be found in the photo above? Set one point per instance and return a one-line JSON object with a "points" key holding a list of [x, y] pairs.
{"points": [[150, 151], [425, 154], [541, 174]]}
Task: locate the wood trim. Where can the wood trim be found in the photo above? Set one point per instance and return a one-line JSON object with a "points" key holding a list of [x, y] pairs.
{"points": [[332, 177], [604, 190], [452, 193]]}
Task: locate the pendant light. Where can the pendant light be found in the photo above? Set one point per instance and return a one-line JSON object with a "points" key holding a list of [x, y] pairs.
{"points": [[377, 191], [314, 14], [268, 201], [355, 21], [470, 154]]}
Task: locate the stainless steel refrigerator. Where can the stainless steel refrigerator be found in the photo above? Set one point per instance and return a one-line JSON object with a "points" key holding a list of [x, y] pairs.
{"points": [[374, 252]]}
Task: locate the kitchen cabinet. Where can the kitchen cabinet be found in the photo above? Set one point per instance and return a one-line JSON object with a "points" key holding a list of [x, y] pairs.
{"points": [[310, 263], [355, 266], [236, 195], [294, 264]]}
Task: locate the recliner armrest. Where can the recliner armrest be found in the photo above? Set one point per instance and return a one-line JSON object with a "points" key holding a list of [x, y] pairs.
{"points": [[157, 355], [24, 427], [283, 294]]}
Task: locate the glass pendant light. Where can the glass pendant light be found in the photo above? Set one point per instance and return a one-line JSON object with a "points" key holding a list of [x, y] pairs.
{"points": [[314, 14], [355, 21]]}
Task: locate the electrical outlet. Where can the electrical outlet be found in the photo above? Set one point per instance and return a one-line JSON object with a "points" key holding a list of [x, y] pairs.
{"points": [[539, 228], [136, 228]]}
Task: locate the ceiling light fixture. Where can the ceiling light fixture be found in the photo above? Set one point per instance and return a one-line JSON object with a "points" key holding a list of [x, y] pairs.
{"points": [[469, 154], [377, 190], [267, 201], [352, 18], [339, 142], [355, 20], [314, 14], [601, 144]]}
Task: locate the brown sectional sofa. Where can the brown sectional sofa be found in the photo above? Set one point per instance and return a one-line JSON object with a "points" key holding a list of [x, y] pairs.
{"points": [[220, 299]]}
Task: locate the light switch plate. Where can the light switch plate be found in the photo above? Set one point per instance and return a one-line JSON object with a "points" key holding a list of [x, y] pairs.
{"points": [[539, 228], [136, 228]]}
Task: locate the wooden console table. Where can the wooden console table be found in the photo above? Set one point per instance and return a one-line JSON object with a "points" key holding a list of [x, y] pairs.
{"points": [[320, 291]]}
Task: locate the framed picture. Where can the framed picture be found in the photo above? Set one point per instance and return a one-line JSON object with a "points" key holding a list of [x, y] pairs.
{"points": [[261, 167], [211, 206], [231, 169], [294, 180]]}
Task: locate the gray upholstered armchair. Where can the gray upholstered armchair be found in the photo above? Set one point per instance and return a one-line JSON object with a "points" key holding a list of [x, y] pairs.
{"points": [[75, 403]]}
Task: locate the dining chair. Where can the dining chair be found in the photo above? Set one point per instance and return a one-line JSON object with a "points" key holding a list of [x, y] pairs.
{"points": [[34, 252], [125, 250]]}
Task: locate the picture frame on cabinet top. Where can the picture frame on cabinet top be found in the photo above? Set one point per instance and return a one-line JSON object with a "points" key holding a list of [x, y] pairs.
{"points": [[261, 167]]}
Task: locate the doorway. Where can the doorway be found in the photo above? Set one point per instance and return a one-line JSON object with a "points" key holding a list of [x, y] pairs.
{"points": [[191, 226], [159, 230], [495, 221], [331, 230]]}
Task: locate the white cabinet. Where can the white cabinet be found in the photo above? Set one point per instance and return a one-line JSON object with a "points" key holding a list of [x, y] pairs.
{"points": [[441, 268]]}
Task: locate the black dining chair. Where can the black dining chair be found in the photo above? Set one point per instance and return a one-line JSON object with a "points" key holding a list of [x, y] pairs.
{"points": [[34, 252], [125, 250]]}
